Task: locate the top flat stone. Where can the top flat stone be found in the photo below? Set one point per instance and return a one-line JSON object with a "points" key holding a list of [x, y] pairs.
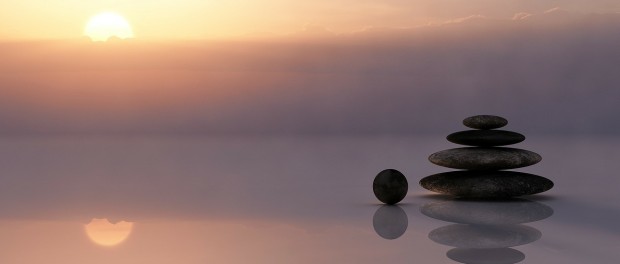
{"points": [[485, 122]]}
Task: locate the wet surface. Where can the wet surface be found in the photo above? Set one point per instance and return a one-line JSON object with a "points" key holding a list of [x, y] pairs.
{"points": [[292, 200]]}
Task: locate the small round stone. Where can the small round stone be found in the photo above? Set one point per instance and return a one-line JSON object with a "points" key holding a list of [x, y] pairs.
{"points": [[486, 255], [480, 158], [485, 138], [485, 122], [390, 221], [390, 186]]}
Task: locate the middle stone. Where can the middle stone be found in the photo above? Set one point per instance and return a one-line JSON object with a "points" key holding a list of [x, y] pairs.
{"points": [[474, 158], [486, 138]]}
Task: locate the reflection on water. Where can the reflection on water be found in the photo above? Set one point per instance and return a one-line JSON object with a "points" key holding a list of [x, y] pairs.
{"points": [[484, 236], [390, 221], [205, 200], [486, 255], [478, 212], [485, 231], [103, 232]]}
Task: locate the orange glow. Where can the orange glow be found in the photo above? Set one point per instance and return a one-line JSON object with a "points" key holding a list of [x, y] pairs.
{"points": [[104, 233], [108, 24], [196, 19], [191, 19]]}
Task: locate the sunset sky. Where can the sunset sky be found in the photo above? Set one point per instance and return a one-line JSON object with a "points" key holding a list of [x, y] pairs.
{"points": [[191, 19], [256, 67]]}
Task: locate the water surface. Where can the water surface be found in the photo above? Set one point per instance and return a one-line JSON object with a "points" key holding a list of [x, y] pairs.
{"points": [[304, 199]]}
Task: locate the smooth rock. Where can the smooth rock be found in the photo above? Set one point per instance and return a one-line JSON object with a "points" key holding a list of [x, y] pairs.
{"points": [[390, 221], [486, 255], [481, 236], [485, 122], [486, 184], [390, 186], [486, 138], [494, 212], [474, 158]]}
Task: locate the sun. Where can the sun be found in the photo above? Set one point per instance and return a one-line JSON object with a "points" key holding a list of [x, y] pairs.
{"points": [[108, 24]]}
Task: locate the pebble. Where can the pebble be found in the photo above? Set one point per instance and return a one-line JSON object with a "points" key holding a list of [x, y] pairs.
{"points": [[390, 186], [486, 138], [478, 158], [485, 122], [486, 184]]}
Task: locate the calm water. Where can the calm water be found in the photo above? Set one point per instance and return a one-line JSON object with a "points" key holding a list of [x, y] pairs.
{"points": [[291, 200]]}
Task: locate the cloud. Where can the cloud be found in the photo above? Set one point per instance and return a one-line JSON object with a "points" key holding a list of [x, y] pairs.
{"points": [[521, 16], [466, 19], [554, 10], [315, 30]]}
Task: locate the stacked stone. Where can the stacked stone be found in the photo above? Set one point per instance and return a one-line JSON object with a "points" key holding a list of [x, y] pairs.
{"points": [[482, 165]]}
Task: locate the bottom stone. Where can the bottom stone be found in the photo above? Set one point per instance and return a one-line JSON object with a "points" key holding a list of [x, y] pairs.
{"points": [[486, 184]]}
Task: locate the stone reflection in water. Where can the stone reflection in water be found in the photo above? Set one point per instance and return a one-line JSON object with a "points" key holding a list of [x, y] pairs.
{"points": [[390, 221], [484, 236], [477, 212], [485, 231], [486, 255]]}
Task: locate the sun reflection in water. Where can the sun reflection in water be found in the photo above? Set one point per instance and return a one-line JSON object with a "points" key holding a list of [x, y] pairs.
{"points": [[103, 232]]}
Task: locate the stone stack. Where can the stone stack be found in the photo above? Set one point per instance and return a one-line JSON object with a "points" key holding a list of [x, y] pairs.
{"points": [[482, 165]]}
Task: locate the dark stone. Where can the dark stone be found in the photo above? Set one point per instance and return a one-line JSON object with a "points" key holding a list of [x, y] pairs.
{"points": [[475, 158], [485, 138], [483, 236], [485, 122], [390, 186], [390, 221], [486, 255], [494, 212], [486, 184]]}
